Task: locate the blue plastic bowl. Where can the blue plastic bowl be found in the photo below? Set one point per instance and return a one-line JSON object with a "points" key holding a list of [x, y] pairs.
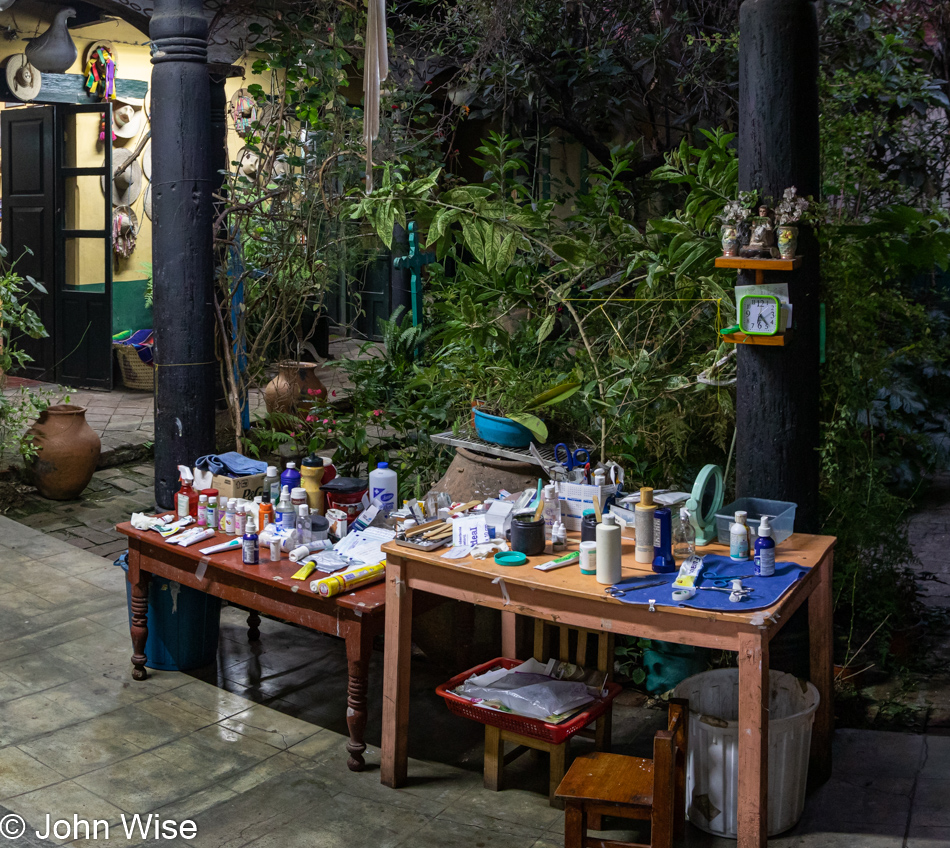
{"points": [[501, 431]]}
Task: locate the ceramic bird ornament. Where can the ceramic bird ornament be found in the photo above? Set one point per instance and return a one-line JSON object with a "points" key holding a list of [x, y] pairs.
{"points": [[53, 52], [6, 4]]}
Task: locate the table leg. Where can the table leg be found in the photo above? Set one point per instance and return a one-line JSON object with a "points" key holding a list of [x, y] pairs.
{"points": [[822, 671], [359, 646], [509, 635], [253, 626], [396, 667], [752, 821], [139, 629]]}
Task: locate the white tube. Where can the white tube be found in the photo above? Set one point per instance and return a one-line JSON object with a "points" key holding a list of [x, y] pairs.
{"points": [[299, 553]]}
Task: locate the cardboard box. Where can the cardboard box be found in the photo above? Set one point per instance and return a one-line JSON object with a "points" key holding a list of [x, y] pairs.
{"points": [[576, 497], [239, 487]]}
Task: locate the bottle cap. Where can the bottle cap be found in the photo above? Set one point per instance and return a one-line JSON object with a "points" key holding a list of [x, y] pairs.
{"points": [[212, 500], [587, 512], [684, 514], [549, 492], [291, 465], [187, 478], [298, 493], [382, 465], [202, 498], [765, 529], [284, 490], [588, 546], [271, 471], [741, 516], [232, 503], [303, 511], [646, 496], [265, 498], [251, 525], [609, 519], [312, 461]]}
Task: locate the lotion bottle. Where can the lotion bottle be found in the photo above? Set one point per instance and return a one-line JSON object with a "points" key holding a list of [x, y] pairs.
{"points": [[765, 550], [250, 546], [608, 551], [551, 510], [644, 526], [739, 538]]}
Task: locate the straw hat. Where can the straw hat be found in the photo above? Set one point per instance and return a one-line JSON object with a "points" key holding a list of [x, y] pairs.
{"points": [[23, 80], [128, 185], [249, 164], [127, 121]]}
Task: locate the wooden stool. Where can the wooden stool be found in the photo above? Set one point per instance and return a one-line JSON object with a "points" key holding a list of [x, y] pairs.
{"points": [[495, 737], [631, 788]]}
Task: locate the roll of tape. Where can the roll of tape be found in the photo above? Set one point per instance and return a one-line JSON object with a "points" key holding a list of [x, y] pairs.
{"points": [[683, 594]]}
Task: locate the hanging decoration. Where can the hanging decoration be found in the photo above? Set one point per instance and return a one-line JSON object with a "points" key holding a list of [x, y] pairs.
{"points": [[375, 70], [53, 52], [99, 72], [125, 227], [243, 111], [23, 80]]}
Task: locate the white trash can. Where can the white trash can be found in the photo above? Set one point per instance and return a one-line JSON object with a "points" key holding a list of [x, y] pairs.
{"points": [[712, 774]]}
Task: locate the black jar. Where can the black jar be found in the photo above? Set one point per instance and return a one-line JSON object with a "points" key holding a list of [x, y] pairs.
{"points": [[589, 526], [527, 534]]}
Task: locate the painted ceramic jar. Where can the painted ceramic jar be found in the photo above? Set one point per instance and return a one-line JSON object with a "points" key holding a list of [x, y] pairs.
{"points": [[67, 452], [787, 236], [729, 236], [291, 388]]}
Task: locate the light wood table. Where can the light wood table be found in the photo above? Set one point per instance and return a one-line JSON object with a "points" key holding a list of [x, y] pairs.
{"points": [[567, 597]]}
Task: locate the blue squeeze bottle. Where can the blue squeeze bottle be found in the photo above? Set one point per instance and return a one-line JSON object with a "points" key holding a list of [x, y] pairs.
{"points": [[764, 550], [291, 477]]}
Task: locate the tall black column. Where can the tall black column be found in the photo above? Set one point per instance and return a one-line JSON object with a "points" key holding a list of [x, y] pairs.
{"points": [[181, 242], [778, 387]]}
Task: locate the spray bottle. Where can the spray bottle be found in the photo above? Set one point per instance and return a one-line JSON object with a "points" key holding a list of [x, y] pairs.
{"points": [[250, 547], [552, 510], [286, 518], [765, 550], [186, 498]]}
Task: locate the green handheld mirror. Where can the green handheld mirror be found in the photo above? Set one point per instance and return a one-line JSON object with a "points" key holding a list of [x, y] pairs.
{"points": [[704, 502]]}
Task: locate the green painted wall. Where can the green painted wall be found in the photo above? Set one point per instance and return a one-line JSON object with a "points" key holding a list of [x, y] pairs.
{"points": [[129, 311]]}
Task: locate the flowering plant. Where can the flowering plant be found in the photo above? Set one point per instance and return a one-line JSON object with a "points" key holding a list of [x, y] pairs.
{"points": [[737, 211], [792, 209]]}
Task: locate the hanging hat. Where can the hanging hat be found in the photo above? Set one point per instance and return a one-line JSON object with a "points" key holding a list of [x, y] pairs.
{"points": [[249, 164], [147, 201], [127, 186], [243, 111], [23, 80], [127, 121], [125, 227]]}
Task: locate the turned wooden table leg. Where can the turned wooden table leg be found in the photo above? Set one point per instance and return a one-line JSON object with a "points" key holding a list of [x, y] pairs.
{"points": [[253, 626], [359, 646], [821, 638], [139, 628]]}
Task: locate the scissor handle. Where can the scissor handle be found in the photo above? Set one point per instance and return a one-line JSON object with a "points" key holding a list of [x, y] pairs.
{"points": [[568, 459], [577, 456]]}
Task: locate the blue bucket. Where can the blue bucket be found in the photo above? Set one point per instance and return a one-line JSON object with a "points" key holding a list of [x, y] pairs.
{"points": [[183, 623], [501, 431]]}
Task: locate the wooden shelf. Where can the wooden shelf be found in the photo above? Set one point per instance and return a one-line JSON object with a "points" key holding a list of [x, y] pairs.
{"points": [[742, 264], [769, 341]]}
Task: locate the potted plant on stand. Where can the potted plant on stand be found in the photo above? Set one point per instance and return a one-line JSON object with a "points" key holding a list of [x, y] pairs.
{"points": [[733, 215], [788, 214], [509, 421]]}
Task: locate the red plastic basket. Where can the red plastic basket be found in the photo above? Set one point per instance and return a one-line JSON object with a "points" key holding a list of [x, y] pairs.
{"points": [[535, 728]]}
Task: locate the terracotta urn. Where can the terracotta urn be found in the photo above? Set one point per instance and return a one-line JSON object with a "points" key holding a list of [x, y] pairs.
{"points": [[290, 388], [68, 451]]}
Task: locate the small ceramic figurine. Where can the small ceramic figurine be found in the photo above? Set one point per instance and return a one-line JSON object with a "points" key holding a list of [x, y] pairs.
{"points": [[762, 240]]}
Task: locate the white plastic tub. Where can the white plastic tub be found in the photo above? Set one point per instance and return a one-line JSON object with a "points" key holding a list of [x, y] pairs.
{"points": [[712, 779]]}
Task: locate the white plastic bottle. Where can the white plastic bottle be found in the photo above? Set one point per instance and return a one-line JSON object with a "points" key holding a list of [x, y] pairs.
{"points": [[229, 517], [272, 484], [303, 523], [739, 538], [608, 551], [384, 484], [250, 544], [202, 510], [240, 517], [552, 509], [285, 518]]}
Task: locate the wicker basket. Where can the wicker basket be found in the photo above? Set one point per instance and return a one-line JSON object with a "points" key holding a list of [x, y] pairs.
{"points": [[135, 373], [536, 729]]}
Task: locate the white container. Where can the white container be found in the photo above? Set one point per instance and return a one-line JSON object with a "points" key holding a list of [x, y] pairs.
{"points": [[384, 484], [712, 765], [608, 551], [588, 560]]}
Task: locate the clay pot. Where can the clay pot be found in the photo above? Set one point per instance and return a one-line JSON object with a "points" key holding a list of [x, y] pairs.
{"points": [[68, 452], [289, 389]]}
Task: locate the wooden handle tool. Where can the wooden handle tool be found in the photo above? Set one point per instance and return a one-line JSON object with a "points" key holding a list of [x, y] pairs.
{"points": [[599, 515]]}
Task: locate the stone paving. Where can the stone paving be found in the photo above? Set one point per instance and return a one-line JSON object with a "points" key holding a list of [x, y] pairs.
{"points": [[253, 749]]}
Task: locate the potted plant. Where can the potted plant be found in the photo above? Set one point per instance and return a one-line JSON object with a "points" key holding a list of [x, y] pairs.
{"points": [[732, 216], [788, 214], [508, 421]]}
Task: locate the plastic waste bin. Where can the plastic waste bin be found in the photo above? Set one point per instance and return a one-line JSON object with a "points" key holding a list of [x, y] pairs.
{"points": [[712, 770], [183, 623]]}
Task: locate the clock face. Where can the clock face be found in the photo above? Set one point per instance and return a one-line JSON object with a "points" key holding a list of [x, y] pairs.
{"points": [[759, 315]]}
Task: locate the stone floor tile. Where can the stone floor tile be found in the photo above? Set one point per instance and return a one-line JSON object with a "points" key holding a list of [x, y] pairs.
{"points": [[937, 764], [46, 637], [81, 748], [269, 726], [207, 698], [927, 837], [62, 801], [433, 835], [932, 802], [20, 773], [896, 754], [278, 764], [36, 672], [76, 541], [74, 562], [215, 752], [110, 551], [94, 536], [106, 576]]}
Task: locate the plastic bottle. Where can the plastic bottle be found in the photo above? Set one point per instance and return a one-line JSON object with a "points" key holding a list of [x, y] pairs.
{"points": [[222, 513], [739, 538], [663, 562], [212, 512], [186, 498], [765, 550], [272, 484], [251, 546], [311, 478], [285, 510], [608, 551], [202, 510], [240, 517], [384, 484], [600, 477], [551, 511], [303, 523], [229, 516], [588, 562], [291, 477], [644, 526], [266, 512], [685, 543], [274, 548]]}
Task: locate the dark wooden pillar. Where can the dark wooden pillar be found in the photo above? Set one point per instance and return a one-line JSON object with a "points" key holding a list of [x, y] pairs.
{"points": [[778, 387], [181, 241]]}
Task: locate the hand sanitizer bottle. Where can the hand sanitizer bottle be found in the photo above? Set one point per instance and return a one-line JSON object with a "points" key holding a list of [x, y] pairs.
{"points": [[765, 550], [739, 538], [551, 510]]}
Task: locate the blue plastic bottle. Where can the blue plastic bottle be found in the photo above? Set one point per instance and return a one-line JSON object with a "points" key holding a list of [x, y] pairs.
{"points": [[663, 562], [764, 550], [291, 477]]}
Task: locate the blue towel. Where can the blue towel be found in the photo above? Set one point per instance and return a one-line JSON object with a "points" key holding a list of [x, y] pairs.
{"points": [[230, 464]]}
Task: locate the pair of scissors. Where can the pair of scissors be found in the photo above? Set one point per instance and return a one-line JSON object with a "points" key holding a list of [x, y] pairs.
{"points": [[619, 590], [570, 461], [722, 582]]}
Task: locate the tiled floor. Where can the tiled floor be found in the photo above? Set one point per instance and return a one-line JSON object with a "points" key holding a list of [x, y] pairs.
{"points": [[252, 750]]}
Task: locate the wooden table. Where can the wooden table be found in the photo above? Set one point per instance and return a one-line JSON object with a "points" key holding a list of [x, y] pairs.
{"points": [[566, 596], [356, 616]]}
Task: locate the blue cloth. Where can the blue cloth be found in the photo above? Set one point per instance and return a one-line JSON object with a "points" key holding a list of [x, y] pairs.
{"points": [[765, 590], [230, 464]]}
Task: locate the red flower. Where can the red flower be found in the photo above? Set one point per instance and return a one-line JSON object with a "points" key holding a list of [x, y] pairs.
{"points": [[333, 393], [377, 412], [311, 392]]}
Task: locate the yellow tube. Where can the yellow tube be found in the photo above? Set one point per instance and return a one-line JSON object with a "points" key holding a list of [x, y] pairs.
{"points": [[337, 583]]}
